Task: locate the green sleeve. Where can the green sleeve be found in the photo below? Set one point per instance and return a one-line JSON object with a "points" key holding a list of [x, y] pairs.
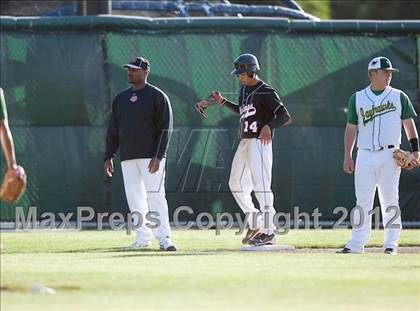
{"points": [[3, 111], [351, 113], [407, 109]]}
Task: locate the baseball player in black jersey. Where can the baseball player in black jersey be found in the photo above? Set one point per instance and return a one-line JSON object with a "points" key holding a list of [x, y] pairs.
{"points": [[140, 127], [260, 110]]}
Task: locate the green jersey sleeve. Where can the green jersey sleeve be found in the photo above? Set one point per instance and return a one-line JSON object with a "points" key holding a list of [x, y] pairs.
{"points": [[407, 109], [351, 113], [3, 111]]}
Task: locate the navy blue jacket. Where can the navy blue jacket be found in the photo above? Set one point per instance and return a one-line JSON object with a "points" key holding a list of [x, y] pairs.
{"points": [[140, 125]]}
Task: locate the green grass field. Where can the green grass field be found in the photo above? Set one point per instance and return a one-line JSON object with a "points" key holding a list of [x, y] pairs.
{"points": [[91, 271]]}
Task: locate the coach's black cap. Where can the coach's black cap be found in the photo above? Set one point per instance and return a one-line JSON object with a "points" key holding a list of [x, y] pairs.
{"points": [[138, 63]]}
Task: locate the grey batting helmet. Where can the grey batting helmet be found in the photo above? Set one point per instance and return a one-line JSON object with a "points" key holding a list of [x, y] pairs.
{"points": [[245, 63]]}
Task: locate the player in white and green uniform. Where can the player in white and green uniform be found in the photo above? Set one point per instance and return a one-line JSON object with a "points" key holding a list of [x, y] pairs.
{"points": [[6, 138], [375, 116], [3, 110]]}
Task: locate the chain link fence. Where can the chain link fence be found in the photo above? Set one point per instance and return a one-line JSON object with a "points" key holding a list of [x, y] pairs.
{"points": [[59, 86]]}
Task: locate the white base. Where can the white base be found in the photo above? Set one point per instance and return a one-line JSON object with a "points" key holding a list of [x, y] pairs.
{"points": [[41, 289], [267, 248]]}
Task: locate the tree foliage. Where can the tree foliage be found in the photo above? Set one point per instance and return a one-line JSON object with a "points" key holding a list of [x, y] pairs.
{"points": [[351, 9]]}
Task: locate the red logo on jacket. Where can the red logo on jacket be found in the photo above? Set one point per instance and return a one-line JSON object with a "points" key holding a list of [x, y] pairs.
{"points": [[133, 98]]}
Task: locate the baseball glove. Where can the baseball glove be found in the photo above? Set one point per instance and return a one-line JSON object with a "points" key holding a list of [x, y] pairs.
{"points": [[405, 159], [13, 186], [204, 104]]}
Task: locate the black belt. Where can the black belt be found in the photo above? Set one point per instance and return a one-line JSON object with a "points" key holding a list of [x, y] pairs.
{"points": [[387, 147]]}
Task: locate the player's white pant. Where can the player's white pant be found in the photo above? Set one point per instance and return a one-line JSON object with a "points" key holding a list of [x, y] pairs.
{"points": [[251, 171], [146, 192], [376, 169]]}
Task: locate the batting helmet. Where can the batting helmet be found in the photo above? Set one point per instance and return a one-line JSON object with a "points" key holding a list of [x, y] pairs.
{"points": [[245, 63]]}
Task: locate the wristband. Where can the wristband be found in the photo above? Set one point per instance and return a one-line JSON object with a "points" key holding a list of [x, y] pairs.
{"points": [[414, 142]]}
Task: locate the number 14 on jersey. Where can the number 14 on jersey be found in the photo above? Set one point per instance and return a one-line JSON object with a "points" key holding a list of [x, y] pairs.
{"points": [[250, 127]]}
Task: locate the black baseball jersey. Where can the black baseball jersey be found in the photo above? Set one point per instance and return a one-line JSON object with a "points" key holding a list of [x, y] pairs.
{"points": [[259, 105], [140, 124]]}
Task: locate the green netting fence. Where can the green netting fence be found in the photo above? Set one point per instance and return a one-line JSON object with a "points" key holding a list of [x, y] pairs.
{"points": [[60, 75]]}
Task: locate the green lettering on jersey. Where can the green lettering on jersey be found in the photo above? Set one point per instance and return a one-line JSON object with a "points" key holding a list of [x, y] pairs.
{"points": [[371, 114]]}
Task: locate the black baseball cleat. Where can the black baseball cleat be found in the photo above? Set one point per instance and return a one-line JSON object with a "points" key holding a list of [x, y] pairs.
{"points": [[390, 251], [345, 250], [263, 239], [250, 234], [170, 248], [167, 247]]}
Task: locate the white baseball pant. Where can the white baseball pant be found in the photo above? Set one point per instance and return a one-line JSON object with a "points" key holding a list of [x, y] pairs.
{"points": [[376, 169], [146, 192], [251, 171]]}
